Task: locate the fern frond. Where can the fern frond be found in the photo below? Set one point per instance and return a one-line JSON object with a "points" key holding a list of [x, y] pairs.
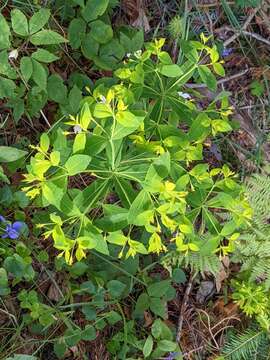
{"points": [[250, 345]]}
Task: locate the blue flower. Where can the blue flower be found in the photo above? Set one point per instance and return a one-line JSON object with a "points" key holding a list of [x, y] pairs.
{"points": [[227, 52], [2, 219], [172, 355], [13, 231]]}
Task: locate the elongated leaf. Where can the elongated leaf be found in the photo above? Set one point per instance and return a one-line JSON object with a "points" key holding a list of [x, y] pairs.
{"points": [[4, 33], [39, 75], [19, 22], [38, 20], [26, 67], [76, 32], [9, 154], [47, 37], [77, 164], [45, 56]]}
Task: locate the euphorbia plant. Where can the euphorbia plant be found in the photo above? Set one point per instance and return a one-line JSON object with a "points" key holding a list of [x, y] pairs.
{"points": [[139, 142]]}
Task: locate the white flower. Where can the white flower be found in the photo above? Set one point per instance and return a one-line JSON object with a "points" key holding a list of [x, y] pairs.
{"points": [[102, 99], [138, 54], [184, 95], [13, 54], [128, 55], [77, 129]]}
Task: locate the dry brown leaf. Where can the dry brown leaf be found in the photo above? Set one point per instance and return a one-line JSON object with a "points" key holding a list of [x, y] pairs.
{"points": [[54, 293]]}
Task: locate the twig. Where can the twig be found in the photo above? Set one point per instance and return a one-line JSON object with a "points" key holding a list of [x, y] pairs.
{"points": [[219, 82], [183, 308], [247, 22]]}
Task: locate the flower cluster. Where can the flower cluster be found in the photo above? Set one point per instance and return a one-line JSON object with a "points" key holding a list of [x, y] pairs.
{"points": [[12, 230]]}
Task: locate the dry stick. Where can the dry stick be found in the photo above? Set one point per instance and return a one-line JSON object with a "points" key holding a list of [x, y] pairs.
{"points": [[183, 308], [247, 22], [254, 35]]}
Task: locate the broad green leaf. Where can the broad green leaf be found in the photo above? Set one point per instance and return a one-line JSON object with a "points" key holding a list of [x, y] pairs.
{"points": [[127, 119], [207, 77], [77, 164], [219, 69], [44, 142], [39, 75], [89, 46], [7, 88], [55, 158], [116, 288], [4, 33], [158, 289], [94, 9], [158, 307], [102, 111], [121, 131], [19, 22], [43, 55], [79, 143], [167, 345], [148, 346], [89, 333], [76, 32], [140, 204], [74, 99], [172, 70], [47, 37], [56, 89], [85, 116], [38, 20], [142, 304], [9, 154], [26, 67], [59, 348], [52, 194], [101, 32], [117, 238]]}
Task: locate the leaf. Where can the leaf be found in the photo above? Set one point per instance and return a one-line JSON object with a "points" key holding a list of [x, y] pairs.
{"points": [[38, 20], [60, 348], [26, 67], [56, 89], [47, 37], [117, 238], [77, 164], [89, 333], [19, 22], [39, 75], [7, 87], [76, 32], [140, 204], [148, 346], [158, 307], [45, 56], [9, 154], [101, 32], [44, 142], [102, 111], [4, 33], [116, 288], [171, 70], [79, 142], [142, 304], [219, 69], [158, 289], [89, 46], [74, 99], [127, 119], [94, 8], [207, 77], [167, 345]]}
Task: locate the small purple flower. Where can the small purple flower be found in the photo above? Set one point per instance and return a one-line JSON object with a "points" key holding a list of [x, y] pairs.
{"points": [[2, 219], [226, 52], [13, 231], [172, 355]]}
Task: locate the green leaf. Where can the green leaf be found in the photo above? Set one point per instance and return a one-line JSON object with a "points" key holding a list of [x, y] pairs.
{"points": [[79, 142], [72, 337], [148, 346], [127, 119], [102, 111], [140, 204], [219, 69], [101, 32], [89, 333], [158, 307], [117, 238], [38, 20], [47, 37], [9, 154], [44, 142], [19, 22], [158, 289], [89, 46], [7, 88], [60, 348], [45, 56], [207, 77], [116, 288], [167, 345], [142, 304], [74, 99], [77, 164], [56, 89], [94, 9], [26, 67], [39, 75], [76, 32], [4, 33], [171, 70]]}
